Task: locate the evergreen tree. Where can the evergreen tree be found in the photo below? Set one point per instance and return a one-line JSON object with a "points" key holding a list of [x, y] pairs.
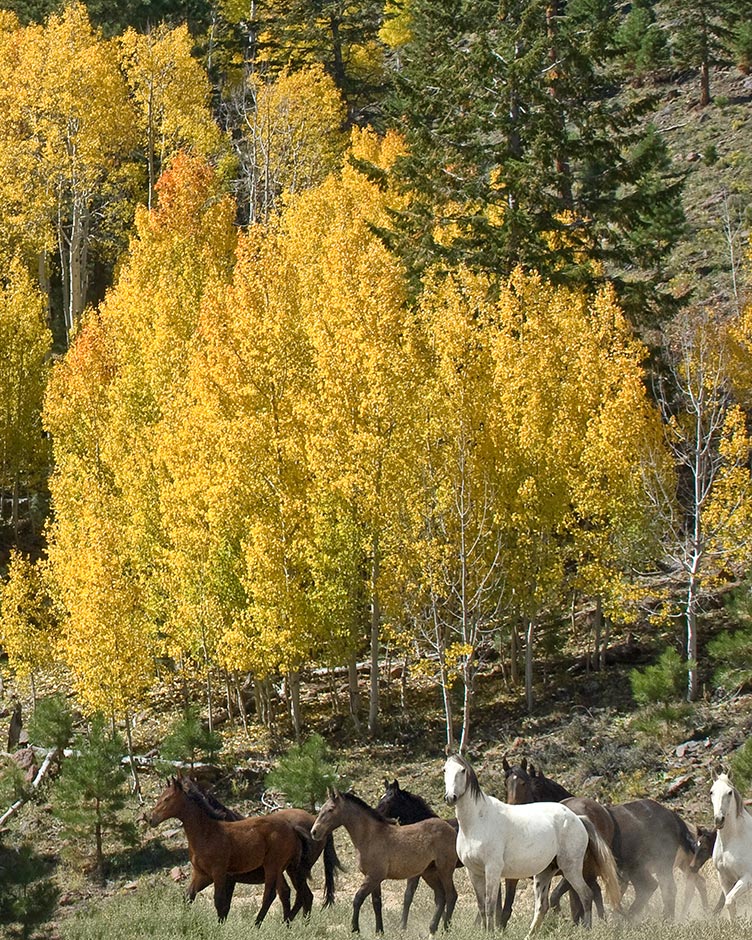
{"points": [[189, 740], [708, 33], [90, 792], [641, 43], [305, 773], [520, 151]]}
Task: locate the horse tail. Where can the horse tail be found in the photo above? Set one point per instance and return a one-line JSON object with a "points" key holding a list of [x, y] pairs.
{"points": [[604, 860], [308, 853], [331, 864]]}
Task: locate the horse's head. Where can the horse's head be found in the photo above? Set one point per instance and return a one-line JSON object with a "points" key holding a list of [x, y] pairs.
{"points": [[329, 816], [391, 802], [459, 778], [703, 848], [518, 783], [726, 799], [170, 802]]}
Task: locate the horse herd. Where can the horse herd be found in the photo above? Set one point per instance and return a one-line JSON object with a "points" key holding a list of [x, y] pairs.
{"points": [[540, 831]]}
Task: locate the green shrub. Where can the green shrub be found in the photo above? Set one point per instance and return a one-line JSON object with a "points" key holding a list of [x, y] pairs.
{"points": [[190, 741], [661, 683], [731, 653], [304, 774], [29, 897]]}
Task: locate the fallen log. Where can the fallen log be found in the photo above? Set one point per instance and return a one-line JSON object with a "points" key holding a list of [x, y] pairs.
{"points": [[35, 783]]}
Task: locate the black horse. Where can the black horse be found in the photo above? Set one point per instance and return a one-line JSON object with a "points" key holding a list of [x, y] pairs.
{"points": [[408, 808], [648, 840]]}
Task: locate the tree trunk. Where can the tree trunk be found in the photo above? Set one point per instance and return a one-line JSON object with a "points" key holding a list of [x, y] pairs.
{"points": [[373, 703], [514, 656], [352, 683], [693, 679], [529, 664], [293, 684], [132, 760], [597, 629], [704, 84]]}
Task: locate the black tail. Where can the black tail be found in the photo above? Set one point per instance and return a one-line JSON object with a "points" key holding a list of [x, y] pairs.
{"points": [[308, 853], [331, 864]]}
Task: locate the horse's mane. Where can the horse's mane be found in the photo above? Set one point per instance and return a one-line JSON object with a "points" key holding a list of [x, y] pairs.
{"points": [[399, 801], [208, 803], [472, 778], [352, 798]]}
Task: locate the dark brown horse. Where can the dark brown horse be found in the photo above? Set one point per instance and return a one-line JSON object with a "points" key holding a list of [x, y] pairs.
{"points": [[225, 852], [649, 840], [523, 783], [389, 851]]}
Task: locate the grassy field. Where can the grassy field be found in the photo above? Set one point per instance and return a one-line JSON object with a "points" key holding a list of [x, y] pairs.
{"points": [[157, 911]]}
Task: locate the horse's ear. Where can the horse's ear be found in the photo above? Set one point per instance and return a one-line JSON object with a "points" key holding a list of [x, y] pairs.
{"points": [[395, 784], [532, 771], [386, 784], [505, 765], [523, 764]]}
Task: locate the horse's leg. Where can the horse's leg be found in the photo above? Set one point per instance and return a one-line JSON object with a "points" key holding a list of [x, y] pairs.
{"points": [[303, 894], [410, 889], [450, 897], [644, 885], [741, 886], [360, 895], [434, 879], [199, 881], [541, 886], [694, 882], [223, 889], [504, 913], [478, 881], [668, 893], [376, 902], [492, 889], [574, 876], [274, 883]]}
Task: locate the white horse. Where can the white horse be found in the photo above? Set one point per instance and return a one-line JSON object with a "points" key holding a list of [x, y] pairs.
{"points": [[732, 852], [498, 840]]}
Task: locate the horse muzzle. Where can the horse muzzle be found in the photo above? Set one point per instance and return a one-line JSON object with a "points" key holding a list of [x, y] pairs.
{"points": [[719, 821], [316, 834], [450, 799]]}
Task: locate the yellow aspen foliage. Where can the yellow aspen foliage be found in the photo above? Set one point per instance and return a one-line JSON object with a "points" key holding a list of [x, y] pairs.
{"points": [[74, 122], [121, 384], [293, 137], [172, 95], [575, 420], [27, 625], [25, 343], [728, 516]]}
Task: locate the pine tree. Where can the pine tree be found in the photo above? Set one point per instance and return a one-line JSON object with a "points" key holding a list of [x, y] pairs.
{"points": [[519, 150], [90, 792], [704, 35]]}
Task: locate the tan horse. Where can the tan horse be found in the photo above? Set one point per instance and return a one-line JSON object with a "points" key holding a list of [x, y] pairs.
{"points": [[224, 853], [387, 851]]}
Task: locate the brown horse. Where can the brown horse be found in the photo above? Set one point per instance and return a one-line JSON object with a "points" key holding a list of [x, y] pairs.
{"points": [[649, 840], [224, 852], [388, 851], [302, 822]]}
